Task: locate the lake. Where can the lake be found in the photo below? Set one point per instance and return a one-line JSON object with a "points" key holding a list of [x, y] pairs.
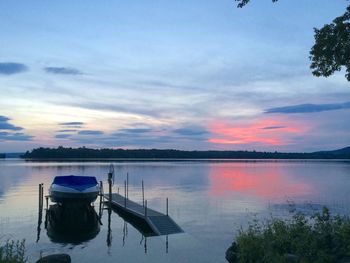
{"points": [[210, 200]]}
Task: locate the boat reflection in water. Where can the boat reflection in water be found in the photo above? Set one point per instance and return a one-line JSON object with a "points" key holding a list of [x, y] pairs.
{"points": [[72, 219], [72, 224]]}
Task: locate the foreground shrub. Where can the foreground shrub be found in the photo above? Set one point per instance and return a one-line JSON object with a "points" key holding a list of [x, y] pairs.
{"points": [[321, 238], [13, 252]]}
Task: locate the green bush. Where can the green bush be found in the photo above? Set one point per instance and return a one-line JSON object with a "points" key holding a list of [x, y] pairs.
{"points": [[13, 252], [321, 238]]}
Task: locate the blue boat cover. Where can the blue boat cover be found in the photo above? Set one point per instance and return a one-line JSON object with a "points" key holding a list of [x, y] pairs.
{"points": [[79, 183]]}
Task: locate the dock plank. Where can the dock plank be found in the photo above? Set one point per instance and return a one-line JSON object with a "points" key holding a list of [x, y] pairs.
{"points": [[160, 223]]}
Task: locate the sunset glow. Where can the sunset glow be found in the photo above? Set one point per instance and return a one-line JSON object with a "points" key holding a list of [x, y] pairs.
{"points": [[265, 131], [187, 75]]}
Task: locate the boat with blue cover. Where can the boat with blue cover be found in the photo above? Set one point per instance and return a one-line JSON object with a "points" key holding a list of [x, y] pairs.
{"points": [[74, 189]]}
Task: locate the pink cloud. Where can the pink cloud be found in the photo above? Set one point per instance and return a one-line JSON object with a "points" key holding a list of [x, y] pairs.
{"points": [[263, 131]]}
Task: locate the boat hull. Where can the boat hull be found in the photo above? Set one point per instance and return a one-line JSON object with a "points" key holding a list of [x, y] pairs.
{"points": [[61, 197], [73, 190]]}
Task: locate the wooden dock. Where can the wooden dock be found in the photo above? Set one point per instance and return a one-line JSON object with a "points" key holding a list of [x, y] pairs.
{"points": [[160, 223]]}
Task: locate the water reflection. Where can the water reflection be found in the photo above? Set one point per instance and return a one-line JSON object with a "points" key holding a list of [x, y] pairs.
{"points": [[140, 225], [266, 182], [75, 224], [10, 176], [209, 200]]}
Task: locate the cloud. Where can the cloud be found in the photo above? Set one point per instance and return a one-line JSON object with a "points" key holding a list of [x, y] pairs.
{"points": [[6, 136], [138, 137], [72, 124], [143, 110], [254, 132], [127, 140], [70, 130], [90, 132], [63, 71], [135, 130], [62, 136], [191, 131], [10, 68], [163, 84], [8, 132], [309, 108], [5, 125], [273, 127]]}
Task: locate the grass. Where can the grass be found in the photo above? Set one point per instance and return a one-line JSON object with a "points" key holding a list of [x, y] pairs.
{"points": [[321, 238], [13, 252]]}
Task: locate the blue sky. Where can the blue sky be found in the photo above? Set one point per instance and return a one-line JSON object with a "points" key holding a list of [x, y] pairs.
{"points": [[168, 74]]}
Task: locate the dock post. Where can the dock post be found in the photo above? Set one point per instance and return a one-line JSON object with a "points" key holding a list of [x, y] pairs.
{"points": [[127, 186], [101, 191], [145, 208], [110, 175], [143, 194], [124, 193], [167, 206], [42, 194], [39, 194]]}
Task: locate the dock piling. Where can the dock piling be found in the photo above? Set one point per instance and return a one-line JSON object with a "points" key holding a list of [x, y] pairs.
{"points": [[143, 194], [101, 192], [167, 206], [41, 195], [110, 175], [124, 193], [146, 208], [127, 185]]}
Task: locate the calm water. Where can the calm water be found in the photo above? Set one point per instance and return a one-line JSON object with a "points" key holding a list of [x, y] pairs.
{"points": [[209, 200]]}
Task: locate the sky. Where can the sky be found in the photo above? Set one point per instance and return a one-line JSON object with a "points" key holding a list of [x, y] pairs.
{"points": [[183, 74]]}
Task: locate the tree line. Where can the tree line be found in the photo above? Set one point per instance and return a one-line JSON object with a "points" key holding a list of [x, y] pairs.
{"points": [[88, 153]]}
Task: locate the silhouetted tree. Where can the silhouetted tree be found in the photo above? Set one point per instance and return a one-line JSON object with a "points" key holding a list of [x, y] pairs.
{"points": [[331, 51], [87, 153]]}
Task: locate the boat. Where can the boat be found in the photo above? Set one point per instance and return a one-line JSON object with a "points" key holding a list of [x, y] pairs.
{"points": [[71, 189]]}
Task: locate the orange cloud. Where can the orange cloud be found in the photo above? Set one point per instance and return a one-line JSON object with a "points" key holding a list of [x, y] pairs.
{"points": [[265, 131]]}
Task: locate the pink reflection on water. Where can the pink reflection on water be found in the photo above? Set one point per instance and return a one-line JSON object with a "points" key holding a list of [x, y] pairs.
{"points": [[267, 182]]}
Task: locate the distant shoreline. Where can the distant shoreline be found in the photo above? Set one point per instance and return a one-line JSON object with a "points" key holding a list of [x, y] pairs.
{"points": [[150, 160], [83, 153]]}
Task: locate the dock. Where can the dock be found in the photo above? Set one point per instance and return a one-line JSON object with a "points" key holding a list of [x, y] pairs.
{"points": [[159, 223]]}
